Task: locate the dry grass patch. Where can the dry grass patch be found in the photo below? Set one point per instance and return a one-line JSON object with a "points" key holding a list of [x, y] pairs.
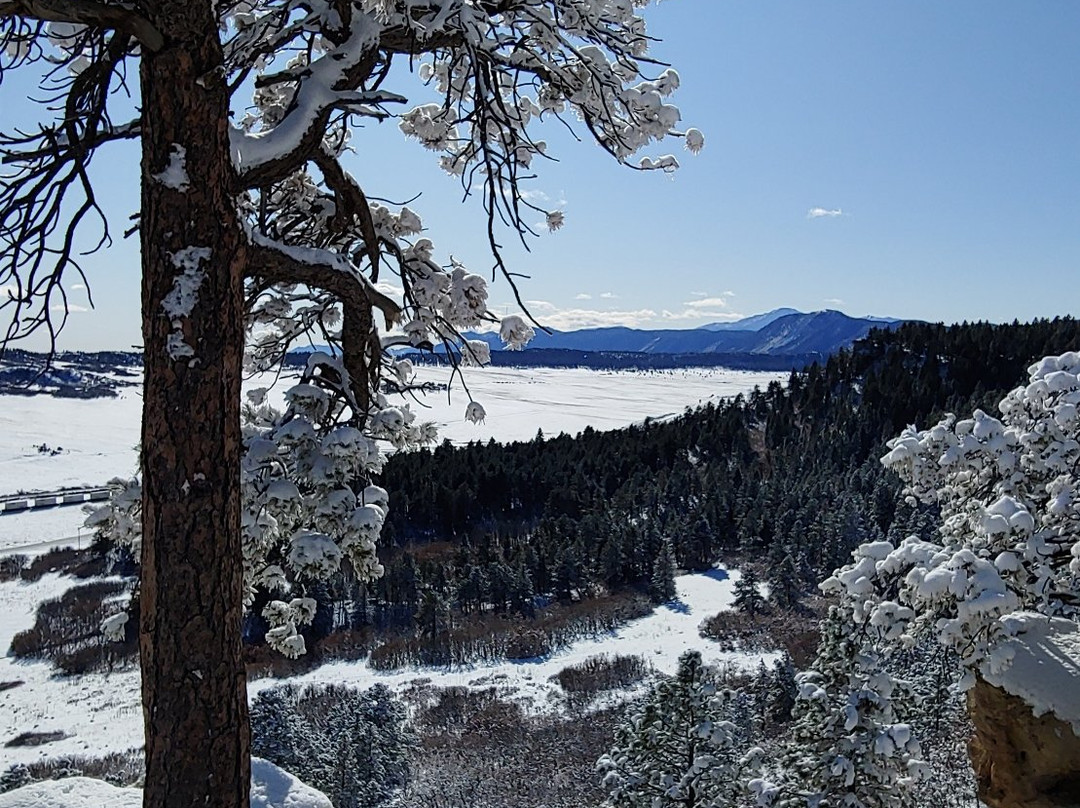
{"points": [[777, 630]]}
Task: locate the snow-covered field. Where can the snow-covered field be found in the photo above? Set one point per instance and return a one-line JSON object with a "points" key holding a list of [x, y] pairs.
{"points": [[96, 439], [519, 401], [100, 713]]}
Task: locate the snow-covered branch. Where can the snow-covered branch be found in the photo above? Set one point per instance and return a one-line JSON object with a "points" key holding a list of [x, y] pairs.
{"points": [[274, 262], [329, 82]]}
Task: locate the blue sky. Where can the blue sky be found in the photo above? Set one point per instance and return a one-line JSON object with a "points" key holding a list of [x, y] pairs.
{"points": [[938, 142]]}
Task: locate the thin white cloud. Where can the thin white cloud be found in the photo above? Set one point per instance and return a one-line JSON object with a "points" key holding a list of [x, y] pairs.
{"points": [[727, 294], [534, 195], [701, 314], [572, 319], [707, 303], [582, 296], [71, 308], [834, 301], [699, 294], [609, 296], [819, 213], [78, 286], [389, 289]]}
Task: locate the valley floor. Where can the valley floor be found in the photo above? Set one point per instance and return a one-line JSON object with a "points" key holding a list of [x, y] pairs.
{"points": [[101, 713]]}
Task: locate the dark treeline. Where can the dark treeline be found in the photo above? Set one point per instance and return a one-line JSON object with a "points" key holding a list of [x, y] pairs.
{"points": [[788, 476], [630, 360]]}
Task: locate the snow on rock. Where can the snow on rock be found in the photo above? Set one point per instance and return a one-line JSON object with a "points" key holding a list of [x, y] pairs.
{"points": [[1040, 664], [72, 792], [271, 787]]}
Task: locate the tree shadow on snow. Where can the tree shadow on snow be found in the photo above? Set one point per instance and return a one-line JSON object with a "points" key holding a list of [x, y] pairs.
{"points": [[716, 574], [676, 606]]}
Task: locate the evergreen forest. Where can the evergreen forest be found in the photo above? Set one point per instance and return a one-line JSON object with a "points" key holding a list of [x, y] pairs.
{"points": [[788, 475]]}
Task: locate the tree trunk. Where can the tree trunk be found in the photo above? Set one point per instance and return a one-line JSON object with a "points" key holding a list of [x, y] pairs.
{"points": [[194, 689]]}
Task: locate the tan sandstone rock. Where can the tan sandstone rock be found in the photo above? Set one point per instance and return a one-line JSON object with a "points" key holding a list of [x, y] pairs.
{"points": [[1021, 760]]}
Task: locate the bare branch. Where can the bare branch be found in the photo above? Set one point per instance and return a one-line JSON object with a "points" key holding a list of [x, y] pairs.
{"points": [[47, 199], [110, 16]]}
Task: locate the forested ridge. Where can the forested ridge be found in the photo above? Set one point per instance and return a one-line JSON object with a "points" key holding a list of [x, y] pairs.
{"points": [[788, 475]]}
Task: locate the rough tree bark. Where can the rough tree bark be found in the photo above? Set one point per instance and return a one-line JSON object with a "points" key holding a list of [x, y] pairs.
{"points": [[194, 694]]}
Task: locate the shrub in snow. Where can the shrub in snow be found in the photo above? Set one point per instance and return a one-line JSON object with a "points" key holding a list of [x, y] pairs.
{"points": [[680, 749]]}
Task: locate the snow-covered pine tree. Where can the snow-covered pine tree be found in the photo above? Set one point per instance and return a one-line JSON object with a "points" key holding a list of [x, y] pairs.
{"points": [[678, 750], [275, 239], [784, 583], [350, 744], [848, 749], [781, 691], [277, 735]]}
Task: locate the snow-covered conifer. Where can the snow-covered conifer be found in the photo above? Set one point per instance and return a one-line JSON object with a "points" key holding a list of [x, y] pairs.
{"points": [[748, 597], [680, 749], [849, 748]]}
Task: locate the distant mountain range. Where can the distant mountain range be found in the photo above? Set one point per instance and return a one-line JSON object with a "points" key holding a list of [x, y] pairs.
{"points": [[782, 339], [781, 332]]}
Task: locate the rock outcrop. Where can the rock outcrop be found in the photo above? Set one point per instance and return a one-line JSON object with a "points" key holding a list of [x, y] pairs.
{"points": [[1021, 760]]}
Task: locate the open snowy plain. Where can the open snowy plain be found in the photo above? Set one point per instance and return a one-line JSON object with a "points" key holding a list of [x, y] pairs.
{"points": [[95, 440], [49, 443]]}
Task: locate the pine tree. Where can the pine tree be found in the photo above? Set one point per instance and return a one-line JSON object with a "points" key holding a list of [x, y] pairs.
{"points": [[276, 734], [522, 595], [352, 745], [748, 598], [680, 750], [662, 580], [784, 588], [847, 746], [322, 625], [780, 695], [434, 622]]}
